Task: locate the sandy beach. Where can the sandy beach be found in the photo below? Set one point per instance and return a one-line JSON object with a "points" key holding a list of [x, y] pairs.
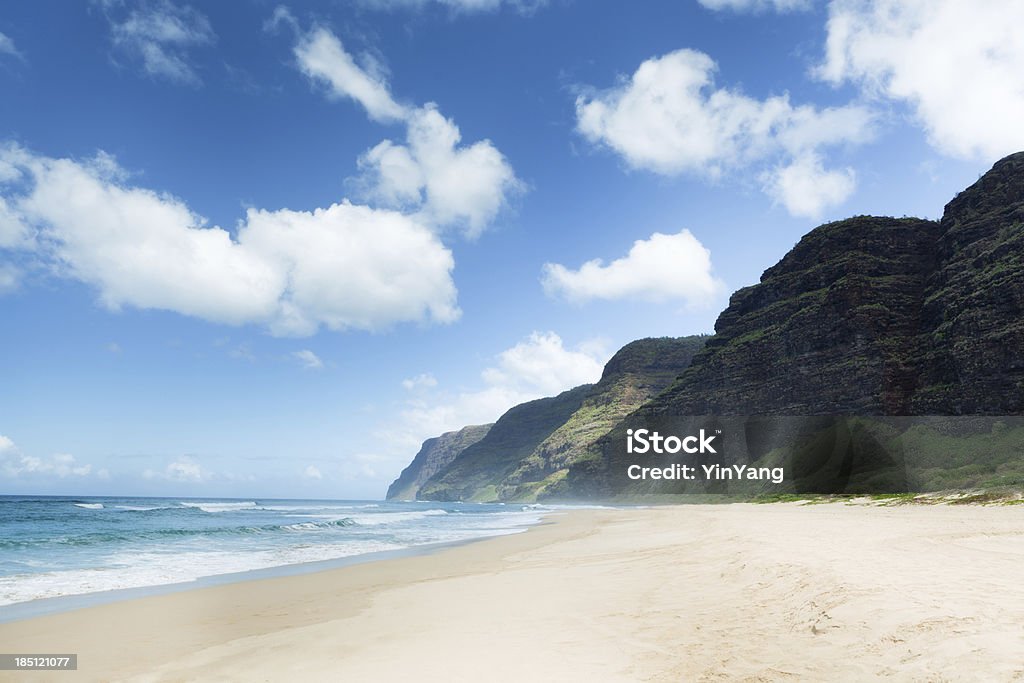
{"points": [[691, 593]]}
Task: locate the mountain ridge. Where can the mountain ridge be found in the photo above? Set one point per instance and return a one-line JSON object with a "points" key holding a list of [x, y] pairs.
{"points": [[866, 316]]}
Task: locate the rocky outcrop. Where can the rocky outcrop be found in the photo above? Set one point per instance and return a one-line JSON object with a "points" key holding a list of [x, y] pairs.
{"points": [[433, 457], [636, 373], [479, 469], [973, 311], [834, 327], [878, 316], [865, 326]]}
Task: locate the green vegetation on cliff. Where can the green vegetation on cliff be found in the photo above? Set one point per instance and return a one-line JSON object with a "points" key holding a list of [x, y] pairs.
{"points": [[637, 372], [479, 469], [529, 450]]}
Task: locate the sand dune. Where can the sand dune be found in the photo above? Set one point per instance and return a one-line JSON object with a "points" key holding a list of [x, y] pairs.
{"points": [[691, 593]]}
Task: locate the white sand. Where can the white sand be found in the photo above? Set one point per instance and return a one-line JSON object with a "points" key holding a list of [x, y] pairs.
{"points": [[830, 592]]}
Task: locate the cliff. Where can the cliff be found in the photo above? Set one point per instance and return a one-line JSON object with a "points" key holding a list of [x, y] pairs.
{"points": [[478, 470], [878, 316], [434, 455], [636, 373], [858, 341], [972, 310], [847, 349]]}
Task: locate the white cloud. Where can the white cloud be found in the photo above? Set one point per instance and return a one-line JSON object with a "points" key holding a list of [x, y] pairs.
{"points": [[958, 63], [542, 365], [312, 472], [450, 184], [309, 360], [467, 6], [536, 367], [669, 117], [14, 463], [13, 231], [433, 175], [183, 469], [661, 268], [341, 267], [757, 5], [158, 35], [322, 57], [7, 46], [422, 381], [805, 188], [353, 267]]}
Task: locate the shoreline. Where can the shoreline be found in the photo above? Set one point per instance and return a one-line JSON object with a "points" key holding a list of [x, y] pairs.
{"points": [[130, 547], [746, 591], [41, 607]]}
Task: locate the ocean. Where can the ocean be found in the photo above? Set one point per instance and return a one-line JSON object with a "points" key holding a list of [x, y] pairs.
{"points": [[52, 547]]}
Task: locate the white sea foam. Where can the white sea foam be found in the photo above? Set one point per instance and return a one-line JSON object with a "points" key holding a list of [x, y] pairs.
{"points": [[89, 506], [168, 547], [318, 526], [313, 506], [143, 569], [393, 517], [221, 506]]}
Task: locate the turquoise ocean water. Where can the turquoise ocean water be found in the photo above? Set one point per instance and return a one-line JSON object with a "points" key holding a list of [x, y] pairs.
{"points": [[52, 547]]}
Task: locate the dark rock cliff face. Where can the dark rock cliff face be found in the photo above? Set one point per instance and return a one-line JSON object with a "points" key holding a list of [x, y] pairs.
{"points": [[878, 316], [433, 457], [825, 330], [973, 312]]}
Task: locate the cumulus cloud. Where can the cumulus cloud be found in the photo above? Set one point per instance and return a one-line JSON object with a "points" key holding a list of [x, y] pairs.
{"points": [[536, 367], [542, 365], [341, 267], [447, 183], [806, 188], [312, 472], [14, 463], [959, 64], [661, 268], [13, 231], [309, 360], [757, 5], [157, 35], [183, 469], [434, 175], [670, 118]]}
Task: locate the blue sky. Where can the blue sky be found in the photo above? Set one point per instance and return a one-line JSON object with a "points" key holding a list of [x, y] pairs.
{"points": [[254, 249]]}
